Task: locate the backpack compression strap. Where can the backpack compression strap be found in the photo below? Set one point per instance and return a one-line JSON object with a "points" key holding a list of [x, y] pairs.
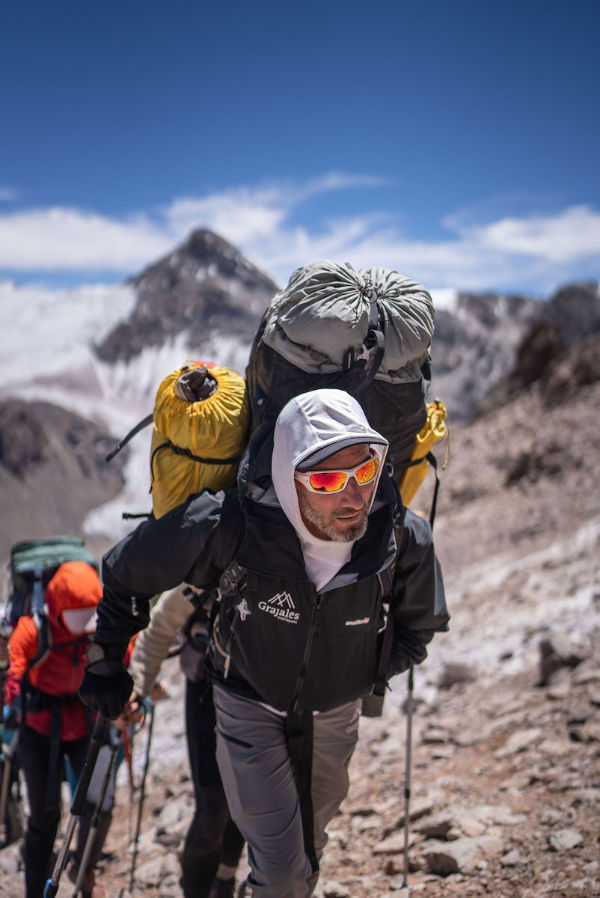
{"points": [[139, 426], [234, 460], [373, 348]]}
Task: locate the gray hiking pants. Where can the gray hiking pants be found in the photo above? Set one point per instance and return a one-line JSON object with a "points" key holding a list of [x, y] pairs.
{"points": [[257, 775]]}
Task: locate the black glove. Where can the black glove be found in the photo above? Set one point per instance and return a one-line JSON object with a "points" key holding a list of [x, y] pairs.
{"points": [[399, 662], [409, 648], [106, 687]]}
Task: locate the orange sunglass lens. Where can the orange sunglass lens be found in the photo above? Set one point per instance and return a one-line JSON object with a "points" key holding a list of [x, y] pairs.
{"points": [[367, 471], [333, 481], [327, 481]]}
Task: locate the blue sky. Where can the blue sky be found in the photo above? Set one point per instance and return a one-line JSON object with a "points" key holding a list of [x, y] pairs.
{"points": [[457, 142]]}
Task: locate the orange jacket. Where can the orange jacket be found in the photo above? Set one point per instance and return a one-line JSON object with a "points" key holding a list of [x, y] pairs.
{"points": [[75, 586]]}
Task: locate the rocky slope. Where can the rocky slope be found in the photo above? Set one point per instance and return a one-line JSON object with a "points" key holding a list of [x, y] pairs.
{"points": [[52, 470], [506, 739]]}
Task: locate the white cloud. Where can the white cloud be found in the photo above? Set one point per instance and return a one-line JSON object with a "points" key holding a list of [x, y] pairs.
{"points": [[70, 239], [339, 181], [533, 252], [63, 238], [251, 214], [537, 257], [565, 237], [237, 215]]}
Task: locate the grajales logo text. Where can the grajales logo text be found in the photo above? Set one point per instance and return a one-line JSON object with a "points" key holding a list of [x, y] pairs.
{"points": [[282, 607]]}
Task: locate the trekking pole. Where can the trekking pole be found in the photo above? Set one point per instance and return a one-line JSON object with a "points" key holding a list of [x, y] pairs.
{"points": [[128, 752], [91, 836], [404, 890], [98, 740], [138, 825], [8, 753]]}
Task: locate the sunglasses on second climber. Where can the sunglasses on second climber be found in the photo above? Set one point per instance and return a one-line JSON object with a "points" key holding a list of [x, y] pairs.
{"points": [[334, 481]]}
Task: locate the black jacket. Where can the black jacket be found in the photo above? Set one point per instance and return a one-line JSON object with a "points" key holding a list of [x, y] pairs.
{"points": [[276, 638]]}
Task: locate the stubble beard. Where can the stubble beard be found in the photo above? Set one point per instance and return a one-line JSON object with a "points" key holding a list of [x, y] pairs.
{"points": [[327, 525]]}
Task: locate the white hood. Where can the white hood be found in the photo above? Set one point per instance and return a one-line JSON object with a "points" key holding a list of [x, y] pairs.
{"points": [[313, 426]]}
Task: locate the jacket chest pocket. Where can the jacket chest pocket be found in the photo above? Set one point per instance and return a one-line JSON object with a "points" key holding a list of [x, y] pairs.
{"points": [[355, 628], [356, 616]]}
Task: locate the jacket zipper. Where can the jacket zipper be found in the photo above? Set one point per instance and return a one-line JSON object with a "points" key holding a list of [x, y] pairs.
{"points": [[307, 651]]}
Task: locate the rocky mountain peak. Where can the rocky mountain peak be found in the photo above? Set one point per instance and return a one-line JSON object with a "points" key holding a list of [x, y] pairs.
{"points": [[474, 345], [206, 246], [559, 349], [204, 285], [203, 254], [488, 310], [491, 346], [575, 309]]}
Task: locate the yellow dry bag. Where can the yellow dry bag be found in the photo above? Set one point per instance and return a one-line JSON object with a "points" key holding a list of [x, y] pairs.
{"points": [[201, 420]]}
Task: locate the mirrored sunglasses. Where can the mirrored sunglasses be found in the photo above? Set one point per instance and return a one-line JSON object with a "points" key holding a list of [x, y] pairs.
{"points": [[334, 481]]}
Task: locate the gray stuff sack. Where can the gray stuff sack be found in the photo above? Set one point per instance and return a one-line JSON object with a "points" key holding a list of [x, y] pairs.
{"points": [[366, 332], [320, 321]]}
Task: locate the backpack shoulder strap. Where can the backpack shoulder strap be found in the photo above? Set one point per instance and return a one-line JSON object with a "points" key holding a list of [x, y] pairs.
{"points": [[39, 616], [386, 584], [386, 580], [232, 578], [42, 627]]}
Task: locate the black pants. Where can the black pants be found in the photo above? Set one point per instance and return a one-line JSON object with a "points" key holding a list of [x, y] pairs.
{"points": [[44, 803], [213, 837]]}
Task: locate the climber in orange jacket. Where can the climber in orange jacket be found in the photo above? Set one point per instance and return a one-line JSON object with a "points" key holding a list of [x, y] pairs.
{"points": [[47, 660]]}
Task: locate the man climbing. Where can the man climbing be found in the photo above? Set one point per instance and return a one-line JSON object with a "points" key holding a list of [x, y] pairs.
{"points": [[304, 556]]}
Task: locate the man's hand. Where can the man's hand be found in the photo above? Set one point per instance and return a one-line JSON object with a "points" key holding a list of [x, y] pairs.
{"points": [[132, 713], [134, 710], [106, 687]]}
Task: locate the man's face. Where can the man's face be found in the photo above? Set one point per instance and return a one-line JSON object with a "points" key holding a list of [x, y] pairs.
{"points": [[341, 516]]}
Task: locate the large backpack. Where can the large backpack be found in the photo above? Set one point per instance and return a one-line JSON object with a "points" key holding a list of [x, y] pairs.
{"points": [[32, 565], [366, 332]]}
